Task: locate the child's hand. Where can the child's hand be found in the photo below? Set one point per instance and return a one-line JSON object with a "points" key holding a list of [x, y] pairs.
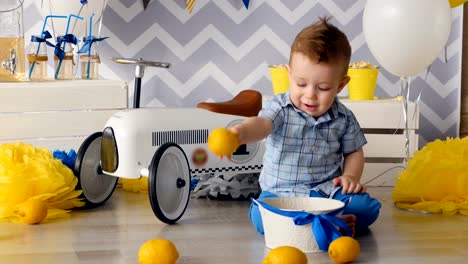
{"points": [[237, 131], [349, 184]]}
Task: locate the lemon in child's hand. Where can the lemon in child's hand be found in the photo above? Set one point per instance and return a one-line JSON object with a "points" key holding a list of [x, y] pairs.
{"points": [[285, 255], [32, 211], [158, 251], [222, 142], [344, 249]]}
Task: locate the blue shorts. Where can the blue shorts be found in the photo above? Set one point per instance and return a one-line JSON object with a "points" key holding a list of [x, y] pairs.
{"points": [[365, 208]]}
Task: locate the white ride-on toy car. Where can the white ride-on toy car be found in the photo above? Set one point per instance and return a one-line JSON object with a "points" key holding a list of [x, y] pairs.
{"points": [[167, 145]]}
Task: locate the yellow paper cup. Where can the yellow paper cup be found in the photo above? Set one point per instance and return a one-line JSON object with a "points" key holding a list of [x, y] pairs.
{"points": [[279, 79], [362, 84]]}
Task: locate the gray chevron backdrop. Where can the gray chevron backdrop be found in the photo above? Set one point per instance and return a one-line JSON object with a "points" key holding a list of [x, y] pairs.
{"points": [[222, 48]]}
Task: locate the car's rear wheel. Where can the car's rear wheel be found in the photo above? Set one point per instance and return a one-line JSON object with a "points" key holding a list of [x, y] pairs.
{"points": [[97, 187]]}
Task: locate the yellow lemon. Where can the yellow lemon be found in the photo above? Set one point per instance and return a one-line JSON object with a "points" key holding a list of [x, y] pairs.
{"points": [[158, 251], [222, 142], [32, 211], [285, 255], [344, 249]]}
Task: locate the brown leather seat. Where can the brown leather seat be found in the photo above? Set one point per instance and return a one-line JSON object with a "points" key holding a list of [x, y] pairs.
{"points": [[246, 103]]}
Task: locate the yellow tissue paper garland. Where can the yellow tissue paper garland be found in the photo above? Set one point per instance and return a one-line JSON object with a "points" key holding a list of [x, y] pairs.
{"points": [[28, 172], [436, 179]]}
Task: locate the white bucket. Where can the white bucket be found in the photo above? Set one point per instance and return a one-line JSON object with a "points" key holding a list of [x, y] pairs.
{"points": [[281, 231]]}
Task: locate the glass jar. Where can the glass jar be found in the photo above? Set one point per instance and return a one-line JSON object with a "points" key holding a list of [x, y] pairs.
{"points": [[37, 58], [90, 66], [89, 59], [11, 41], [64, 68]]}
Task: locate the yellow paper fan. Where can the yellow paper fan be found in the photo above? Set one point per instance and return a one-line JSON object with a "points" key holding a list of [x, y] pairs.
{"points": [[436, 179], [28, 172]]}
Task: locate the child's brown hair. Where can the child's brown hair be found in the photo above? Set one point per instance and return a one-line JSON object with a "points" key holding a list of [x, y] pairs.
{"points": [[323, 42]]}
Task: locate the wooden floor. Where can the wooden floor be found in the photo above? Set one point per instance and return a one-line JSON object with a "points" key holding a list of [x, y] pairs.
{"points": [[219, 232]]}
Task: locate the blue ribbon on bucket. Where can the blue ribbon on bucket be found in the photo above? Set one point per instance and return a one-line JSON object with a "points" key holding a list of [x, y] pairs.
{"points": [[325, 227]]}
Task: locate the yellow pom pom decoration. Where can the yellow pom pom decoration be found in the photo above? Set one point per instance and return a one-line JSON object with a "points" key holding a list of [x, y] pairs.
{"points": [[135, 185], [456, 3], [436, 179], [29, 173]]}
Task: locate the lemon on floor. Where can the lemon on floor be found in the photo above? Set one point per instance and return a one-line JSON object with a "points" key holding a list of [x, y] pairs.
{"points": [[158, 251], [344, 249], [31, 212], [285, 255]]}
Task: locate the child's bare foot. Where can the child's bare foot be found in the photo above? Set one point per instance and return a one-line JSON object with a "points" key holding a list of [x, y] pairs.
{"points": [[351, 222]]}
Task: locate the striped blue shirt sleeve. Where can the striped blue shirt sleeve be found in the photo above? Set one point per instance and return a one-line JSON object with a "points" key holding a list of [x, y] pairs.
{"points": [[273, 111]]}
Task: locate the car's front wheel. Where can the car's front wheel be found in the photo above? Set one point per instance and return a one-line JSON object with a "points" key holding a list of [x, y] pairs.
{"points": [[169, 183]]}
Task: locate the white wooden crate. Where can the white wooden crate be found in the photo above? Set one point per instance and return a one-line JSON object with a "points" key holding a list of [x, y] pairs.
{"points": [[383, 123], [58, 114]]}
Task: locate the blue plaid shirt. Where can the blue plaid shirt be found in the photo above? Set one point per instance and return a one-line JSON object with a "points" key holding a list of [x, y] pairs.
{"points": [[304, 153]]}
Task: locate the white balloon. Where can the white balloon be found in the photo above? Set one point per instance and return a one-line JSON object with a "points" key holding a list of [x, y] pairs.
{"points": [[406, 36], [67, 7]]}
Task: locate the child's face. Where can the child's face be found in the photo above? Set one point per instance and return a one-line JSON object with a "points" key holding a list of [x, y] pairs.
{"points": [[313, 86]]}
